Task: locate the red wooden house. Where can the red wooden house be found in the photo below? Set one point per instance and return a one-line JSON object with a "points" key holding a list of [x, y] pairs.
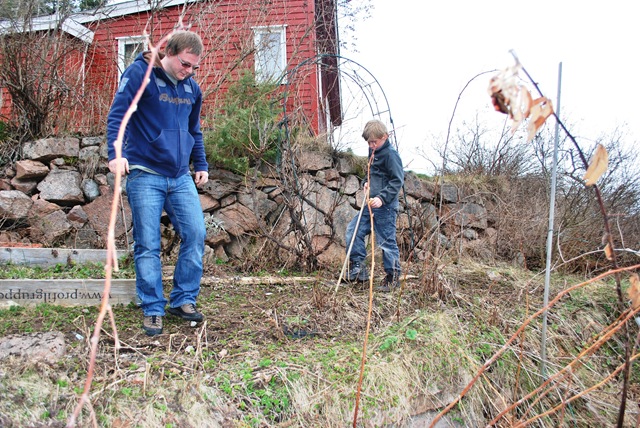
{"points": [[291, 42]]}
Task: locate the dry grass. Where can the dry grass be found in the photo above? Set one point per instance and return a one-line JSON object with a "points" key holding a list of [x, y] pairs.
{"points": [[276, 356]]}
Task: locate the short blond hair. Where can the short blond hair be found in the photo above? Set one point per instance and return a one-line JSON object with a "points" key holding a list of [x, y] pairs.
{"points": [[374, 129]]}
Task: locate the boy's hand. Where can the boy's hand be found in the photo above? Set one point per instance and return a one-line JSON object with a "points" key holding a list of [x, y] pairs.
{"points": [[201, 178], [122, 163], [375, 202]]}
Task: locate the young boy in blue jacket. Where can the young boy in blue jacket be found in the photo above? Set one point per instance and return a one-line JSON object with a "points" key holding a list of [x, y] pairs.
{"points": [[162, 139], [386, 177]]}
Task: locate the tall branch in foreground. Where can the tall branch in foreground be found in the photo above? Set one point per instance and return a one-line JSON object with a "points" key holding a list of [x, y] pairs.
{"points": [[370, 307], [512, 98], [506, 346], [112, 260], [515, 100]]}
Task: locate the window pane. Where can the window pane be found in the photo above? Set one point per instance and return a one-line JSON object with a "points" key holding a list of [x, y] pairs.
{"points": [[131, 50], [270, 55]]}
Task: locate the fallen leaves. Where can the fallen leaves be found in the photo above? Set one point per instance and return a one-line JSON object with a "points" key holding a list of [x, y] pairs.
{"points": [[510, 97]]}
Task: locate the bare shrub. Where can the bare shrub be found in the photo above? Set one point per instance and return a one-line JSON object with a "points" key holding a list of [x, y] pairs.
{"points": [[515, 179], [580, 227], [478, 151], [40, 73]]}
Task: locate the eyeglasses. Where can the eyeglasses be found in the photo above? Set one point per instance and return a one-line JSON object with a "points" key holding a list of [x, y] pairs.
{"points": [[186, 64]]}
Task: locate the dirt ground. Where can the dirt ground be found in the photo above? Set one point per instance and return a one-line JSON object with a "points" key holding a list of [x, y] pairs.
{"points": [[268, 309], [245, 319]]}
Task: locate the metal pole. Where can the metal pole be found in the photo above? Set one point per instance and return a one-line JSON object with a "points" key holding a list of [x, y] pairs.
{"points": [[552, 205]]}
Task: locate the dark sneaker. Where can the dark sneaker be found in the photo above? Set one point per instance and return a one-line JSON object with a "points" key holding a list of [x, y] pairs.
{"points": [[358, 272], [389, 283], [152, 325], [187, 312]]}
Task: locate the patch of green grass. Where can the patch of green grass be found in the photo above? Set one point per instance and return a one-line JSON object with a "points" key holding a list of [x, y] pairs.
{"points": [[389, 343], [12, 311], [235, 299], [265, 362], [273, 399], [411, 334], [224, 383], [43, 317], [89, 270]]}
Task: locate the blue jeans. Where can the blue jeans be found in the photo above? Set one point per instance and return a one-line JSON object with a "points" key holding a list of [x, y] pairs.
{"points": [[148, 195], [384, 226]]}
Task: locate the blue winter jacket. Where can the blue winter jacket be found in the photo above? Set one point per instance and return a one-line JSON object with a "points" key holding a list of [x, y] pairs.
{"points": [[163, 133], [386, 175]]}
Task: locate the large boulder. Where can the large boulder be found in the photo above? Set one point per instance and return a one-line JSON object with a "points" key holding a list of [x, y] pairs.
{"points": [[47, 149], [236, 219], [30, 169], [99, 214], [44, 346], [62, 187], [51, 228], [14, 205]]}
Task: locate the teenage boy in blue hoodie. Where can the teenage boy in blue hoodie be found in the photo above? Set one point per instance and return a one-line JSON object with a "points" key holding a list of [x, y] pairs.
{"points": [[162, 138], [386, 177]]}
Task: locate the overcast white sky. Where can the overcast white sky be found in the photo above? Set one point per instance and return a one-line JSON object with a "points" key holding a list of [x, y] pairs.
{"points": [[424, 53]]}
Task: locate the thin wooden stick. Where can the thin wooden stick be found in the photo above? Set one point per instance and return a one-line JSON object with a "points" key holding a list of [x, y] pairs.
{"points": [[515, 335], [353, 238], [111, 248]]}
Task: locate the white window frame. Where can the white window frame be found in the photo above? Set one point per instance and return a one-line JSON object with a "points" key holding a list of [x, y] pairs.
{"points": [[268, 69], [123, 42]]}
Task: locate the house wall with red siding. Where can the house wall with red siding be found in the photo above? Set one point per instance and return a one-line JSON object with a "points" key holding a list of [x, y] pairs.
{"points": [[5, 103], [226, 30]]}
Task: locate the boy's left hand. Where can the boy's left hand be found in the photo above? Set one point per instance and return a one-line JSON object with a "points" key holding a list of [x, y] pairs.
{"points": [[375, 202]]}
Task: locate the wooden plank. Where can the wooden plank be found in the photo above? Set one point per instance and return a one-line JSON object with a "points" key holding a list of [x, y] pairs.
{"points": [[255, 280], [270, 280], [65, 292], [53, 256]]}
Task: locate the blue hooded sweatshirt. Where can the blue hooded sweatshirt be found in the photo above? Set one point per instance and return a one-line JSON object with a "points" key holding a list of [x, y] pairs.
{"points": [[386, 174], [163, 134]]}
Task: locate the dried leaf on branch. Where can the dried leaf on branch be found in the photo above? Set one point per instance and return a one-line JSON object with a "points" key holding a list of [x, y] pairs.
{"points": [[598, 165], [608, 252], [634, 291], [541, 109], [504, 88], [510, 97]]}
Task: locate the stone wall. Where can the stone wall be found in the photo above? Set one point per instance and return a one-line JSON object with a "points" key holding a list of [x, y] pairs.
{"points": [[60, 194]]}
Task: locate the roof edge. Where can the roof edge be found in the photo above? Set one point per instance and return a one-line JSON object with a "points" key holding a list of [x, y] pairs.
{"points": [[127, 8], [51, 22], [73, 24]]}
